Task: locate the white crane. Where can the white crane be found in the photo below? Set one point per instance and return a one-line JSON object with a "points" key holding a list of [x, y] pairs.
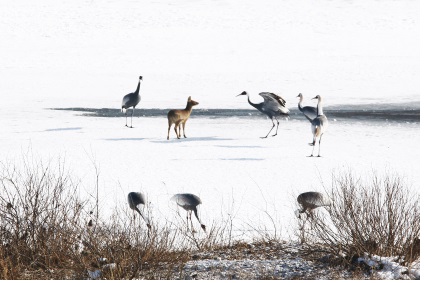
{"points": [[309, 201], [309, 111], [131, 100], [137, 201], [189, 202], [318, 126], [273, 106]]}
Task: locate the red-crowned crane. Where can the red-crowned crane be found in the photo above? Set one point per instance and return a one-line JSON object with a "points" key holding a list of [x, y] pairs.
{"points": [[309, 111], [189, 202], [131, 100], [309, 201], [137, 201], [318, 126], [273, 106]]}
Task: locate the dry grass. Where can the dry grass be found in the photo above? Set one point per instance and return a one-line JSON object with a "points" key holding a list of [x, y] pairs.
{"points": [[48, 232], [380, 217]]}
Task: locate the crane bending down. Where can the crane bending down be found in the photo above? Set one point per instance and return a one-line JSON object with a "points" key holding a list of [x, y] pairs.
{"points": [[131, 100], [273, 106], [189, 202], [136, 202], [318, 126], [310, 112], [309, 201]]}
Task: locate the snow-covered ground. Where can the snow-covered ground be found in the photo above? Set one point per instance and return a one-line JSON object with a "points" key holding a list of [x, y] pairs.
{"points": [[223, 160]]}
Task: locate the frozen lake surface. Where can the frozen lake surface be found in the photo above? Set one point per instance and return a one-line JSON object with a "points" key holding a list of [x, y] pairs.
{"points": [[223, 160]]}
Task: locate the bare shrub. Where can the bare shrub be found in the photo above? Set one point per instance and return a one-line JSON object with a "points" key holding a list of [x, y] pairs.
{"points": [[380, 217], [46, 227], [50, 230], [133, 251], [40, 213]]}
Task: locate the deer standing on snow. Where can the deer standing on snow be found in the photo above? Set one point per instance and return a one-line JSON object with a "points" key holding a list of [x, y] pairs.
{"points": [[179, 117]]}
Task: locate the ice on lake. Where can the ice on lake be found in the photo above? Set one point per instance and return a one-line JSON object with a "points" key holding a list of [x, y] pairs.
{"points": [[223, 160]]}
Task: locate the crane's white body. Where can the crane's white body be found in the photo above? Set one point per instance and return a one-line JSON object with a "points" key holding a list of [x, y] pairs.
{"points": [[189, 202], [309, 201], [137, 202], [131, 100], [273, 106]]}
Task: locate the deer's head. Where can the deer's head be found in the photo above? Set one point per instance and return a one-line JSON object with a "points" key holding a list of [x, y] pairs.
{"points": [[192, 102]]}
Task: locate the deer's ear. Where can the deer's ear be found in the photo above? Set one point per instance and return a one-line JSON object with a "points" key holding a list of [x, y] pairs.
{"points": [[189, 98]]}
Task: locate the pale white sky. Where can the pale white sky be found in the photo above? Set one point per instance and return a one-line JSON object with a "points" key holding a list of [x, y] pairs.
{"points": [[90, 53]]}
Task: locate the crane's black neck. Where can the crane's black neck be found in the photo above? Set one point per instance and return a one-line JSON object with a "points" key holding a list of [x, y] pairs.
{"points": [[138, 88], [257, 106], [300, 104]]}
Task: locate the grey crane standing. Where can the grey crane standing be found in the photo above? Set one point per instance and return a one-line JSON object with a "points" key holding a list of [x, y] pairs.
{"points": [[136, 202], [189, 202], [309, 201], [131, 100], [309, 111], [273, 106], [318, 126]]}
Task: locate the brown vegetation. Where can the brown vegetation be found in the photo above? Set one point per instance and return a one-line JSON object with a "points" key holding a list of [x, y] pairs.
{"points": [[380, 217], [48, 232]]}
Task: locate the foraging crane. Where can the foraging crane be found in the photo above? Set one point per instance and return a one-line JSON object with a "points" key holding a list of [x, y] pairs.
{"points": [[318, 126], [309, 111], [273, 106], [131, 100], [136, 200], [189, 202], [309, 201]]}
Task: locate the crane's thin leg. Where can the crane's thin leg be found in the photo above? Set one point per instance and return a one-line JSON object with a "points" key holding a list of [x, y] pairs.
{"points": [[191, 221], [278, 123], [273, 125], [132, 113], [126, 119], [188, 226], [313, 143], [313, 147], [319, 148]]}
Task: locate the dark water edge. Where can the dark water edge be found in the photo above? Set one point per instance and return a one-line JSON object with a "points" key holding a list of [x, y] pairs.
{"points": [[404, 112]]}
